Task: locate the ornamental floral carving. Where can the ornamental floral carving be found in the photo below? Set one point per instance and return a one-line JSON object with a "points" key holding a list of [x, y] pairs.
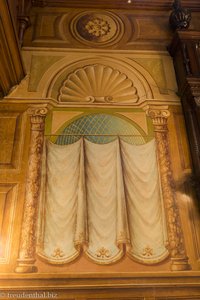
{"points": [[103, 253], [148, 251], [58, 253], [97, 27]]}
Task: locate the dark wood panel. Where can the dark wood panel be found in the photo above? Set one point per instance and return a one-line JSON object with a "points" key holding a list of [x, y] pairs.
{"points": [[185, 52]]}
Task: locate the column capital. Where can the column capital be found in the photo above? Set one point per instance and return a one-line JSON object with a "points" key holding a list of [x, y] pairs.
{"points": [[37, 110], [37, 115], [159, 116]]}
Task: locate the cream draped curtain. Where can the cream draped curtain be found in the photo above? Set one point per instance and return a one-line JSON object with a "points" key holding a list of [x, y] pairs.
{"points": [[103, 199]]}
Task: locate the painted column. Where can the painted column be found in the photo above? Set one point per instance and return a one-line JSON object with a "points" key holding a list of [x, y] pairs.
{"points": [[26, 260], [176, 246]]}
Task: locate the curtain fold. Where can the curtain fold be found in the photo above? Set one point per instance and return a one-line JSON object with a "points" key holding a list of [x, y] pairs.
{"points": [[106, 201], [144, 202], [64, 216], [100, 197]]}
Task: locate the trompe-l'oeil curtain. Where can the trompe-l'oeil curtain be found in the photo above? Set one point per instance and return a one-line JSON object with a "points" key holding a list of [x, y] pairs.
{"points": [[104, 199]]}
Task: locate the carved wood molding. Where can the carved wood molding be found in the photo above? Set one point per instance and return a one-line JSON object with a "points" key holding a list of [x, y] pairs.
{"points": [[179, 259], [136, 4], [11, 65], [113, 286], [27, 246]]}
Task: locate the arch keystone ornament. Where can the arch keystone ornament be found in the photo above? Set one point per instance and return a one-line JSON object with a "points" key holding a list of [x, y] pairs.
{"points": [[175, 245], [26, 260]]}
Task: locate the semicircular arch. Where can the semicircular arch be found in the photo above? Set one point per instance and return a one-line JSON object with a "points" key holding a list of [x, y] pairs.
{"points": [[100, 128], [53, 79]]}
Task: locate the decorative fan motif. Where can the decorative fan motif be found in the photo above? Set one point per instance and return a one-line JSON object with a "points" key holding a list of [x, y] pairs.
{"points": [[99, 84]]}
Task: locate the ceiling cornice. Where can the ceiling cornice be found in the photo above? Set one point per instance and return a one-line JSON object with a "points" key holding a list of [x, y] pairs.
{"points": [[194, 5]]}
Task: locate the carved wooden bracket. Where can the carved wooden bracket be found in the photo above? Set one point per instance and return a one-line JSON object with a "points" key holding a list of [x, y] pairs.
{"points": [[27, 246], [24, 23], [179, 259]]}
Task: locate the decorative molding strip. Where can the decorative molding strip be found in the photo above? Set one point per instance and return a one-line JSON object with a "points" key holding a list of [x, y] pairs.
{"points": [[136, 4]]}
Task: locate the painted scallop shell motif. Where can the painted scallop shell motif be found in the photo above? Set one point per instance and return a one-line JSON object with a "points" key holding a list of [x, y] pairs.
{"points": [[99, 84]]}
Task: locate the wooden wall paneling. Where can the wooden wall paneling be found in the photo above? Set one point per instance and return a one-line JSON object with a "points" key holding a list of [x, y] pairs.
{"points": [[8, 194], [12, 136], [7, 74], [182, 142], [181, 163], [193, 216], [184, 49], [11, 65], [56, 27], [179, 143], [188, 204]]}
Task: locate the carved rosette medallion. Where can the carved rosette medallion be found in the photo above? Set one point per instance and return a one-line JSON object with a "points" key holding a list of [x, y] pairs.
{"points": [[27, 245], [179, 259], [97, 28]]}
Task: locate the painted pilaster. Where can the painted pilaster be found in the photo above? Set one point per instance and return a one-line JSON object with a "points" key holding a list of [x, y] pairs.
{"points": [[26, 260], [176, 246]]}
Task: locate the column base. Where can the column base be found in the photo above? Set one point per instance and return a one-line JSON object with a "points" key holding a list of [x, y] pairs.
{"points": [[26, 266], [180, 264]]}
